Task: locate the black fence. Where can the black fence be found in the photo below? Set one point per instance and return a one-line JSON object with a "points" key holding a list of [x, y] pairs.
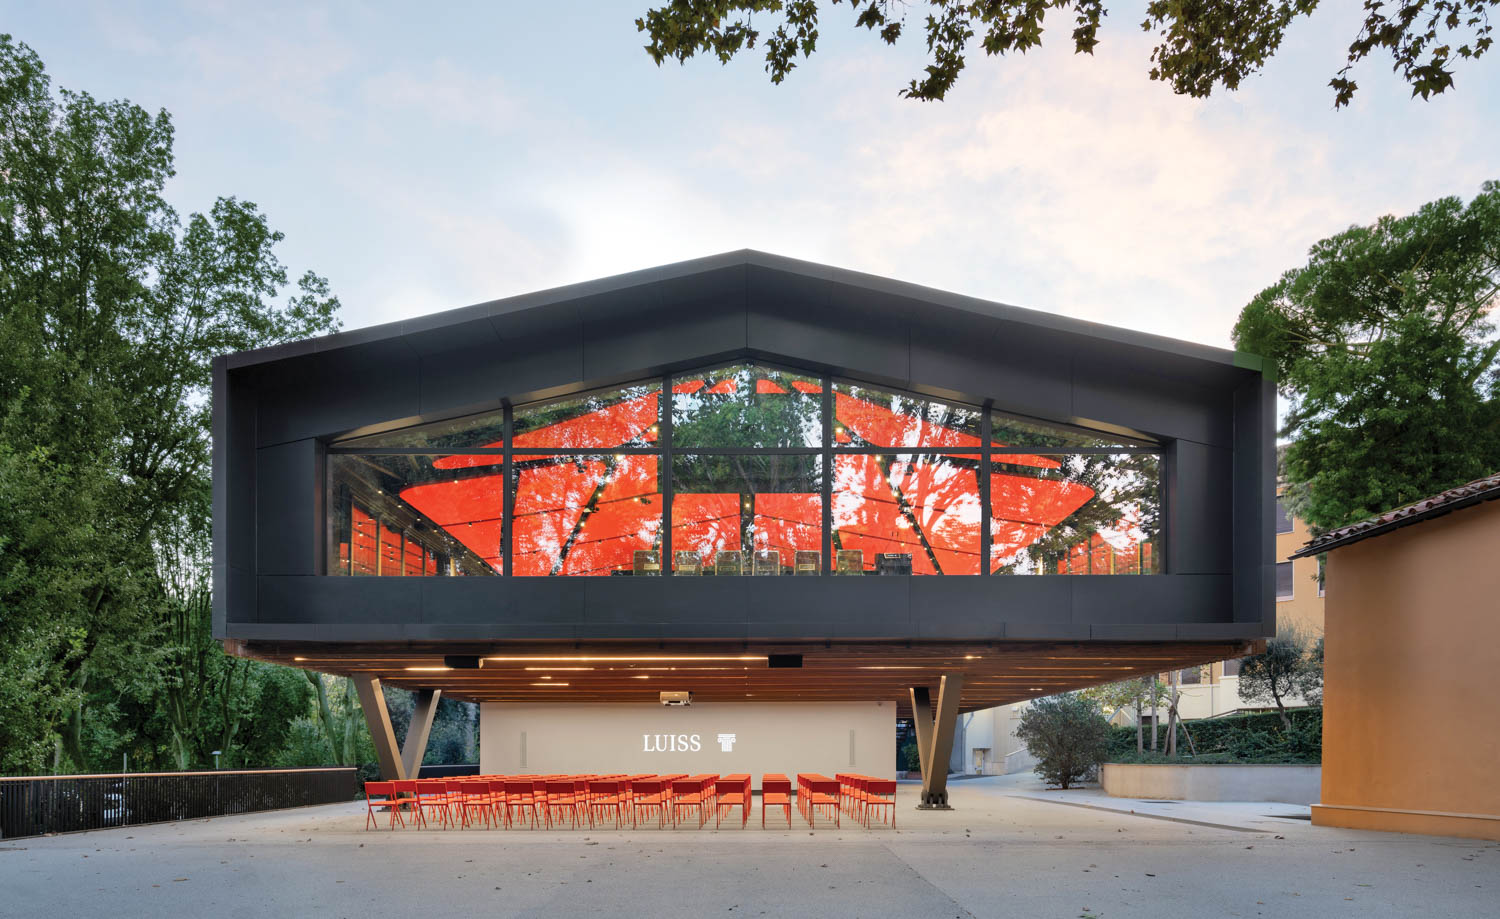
{"points": [[452, 771], [34, 805]]}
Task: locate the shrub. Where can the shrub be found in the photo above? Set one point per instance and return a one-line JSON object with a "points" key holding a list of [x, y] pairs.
{"points": [[911, 757], [1237, 739], [1068, 736]]}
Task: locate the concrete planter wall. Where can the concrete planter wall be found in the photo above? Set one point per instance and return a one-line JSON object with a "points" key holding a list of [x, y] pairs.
{"points": [[1285, 784]]}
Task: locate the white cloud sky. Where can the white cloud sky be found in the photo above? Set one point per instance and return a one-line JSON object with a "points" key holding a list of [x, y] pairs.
{"points": [[425, 159]]}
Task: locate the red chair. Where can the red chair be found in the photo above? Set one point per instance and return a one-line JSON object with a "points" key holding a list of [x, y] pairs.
{"points": [[688, 794], [604, 797], [432, 795], [646, 794], [406, 793], [386, 791], [562, 799], [731, 793], [520, 798], [475, 796], [880, 793], [825, 794], [775, 791]]}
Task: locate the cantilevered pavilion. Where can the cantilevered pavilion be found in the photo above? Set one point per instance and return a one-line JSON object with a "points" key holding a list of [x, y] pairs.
{"points": [[743, 477]]}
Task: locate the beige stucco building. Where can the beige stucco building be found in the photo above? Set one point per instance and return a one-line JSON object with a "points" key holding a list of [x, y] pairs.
{"points": [[1413, 614]]}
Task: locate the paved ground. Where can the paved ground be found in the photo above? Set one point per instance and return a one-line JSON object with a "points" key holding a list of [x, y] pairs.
{"points": [[1009, 849]]}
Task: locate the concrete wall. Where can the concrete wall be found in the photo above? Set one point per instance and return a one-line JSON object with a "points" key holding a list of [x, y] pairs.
{"points": [[1285, 784], [994, 730], [789, 738], [1412, 618]]}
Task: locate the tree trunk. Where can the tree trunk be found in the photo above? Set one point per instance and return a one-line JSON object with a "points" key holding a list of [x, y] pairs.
{"points": [[1154, 694], [1286, 722], [1139, 711], [1172, 718], [325, 714]]}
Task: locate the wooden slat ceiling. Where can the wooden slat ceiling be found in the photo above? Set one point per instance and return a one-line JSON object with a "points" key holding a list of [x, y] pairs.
{"points": [[995, 673]]}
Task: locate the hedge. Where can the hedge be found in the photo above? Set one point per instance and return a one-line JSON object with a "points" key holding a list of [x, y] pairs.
{"points": [[1234, 739]]}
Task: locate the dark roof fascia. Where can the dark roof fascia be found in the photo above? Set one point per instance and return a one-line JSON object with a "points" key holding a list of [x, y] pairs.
{"points": [[744, 257], [1358, 532]]}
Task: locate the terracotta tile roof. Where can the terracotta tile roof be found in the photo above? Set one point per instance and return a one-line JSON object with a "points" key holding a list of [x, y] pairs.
{"points": [[1485, 489]]}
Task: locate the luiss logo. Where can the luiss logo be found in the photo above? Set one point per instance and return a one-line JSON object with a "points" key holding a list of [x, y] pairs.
{"points": [[682, 743], [670, 743]]}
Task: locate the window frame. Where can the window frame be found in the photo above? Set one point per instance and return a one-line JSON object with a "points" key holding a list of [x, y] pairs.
{"points": [[664, 449], [1291, 580], [1283, 514]]}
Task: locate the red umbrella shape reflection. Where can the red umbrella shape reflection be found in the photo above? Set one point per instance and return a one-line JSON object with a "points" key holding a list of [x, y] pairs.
{"points": [[588, 515]]}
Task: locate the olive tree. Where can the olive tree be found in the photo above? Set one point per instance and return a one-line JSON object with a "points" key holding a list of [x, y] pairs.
{"points": [[1067, 734]]}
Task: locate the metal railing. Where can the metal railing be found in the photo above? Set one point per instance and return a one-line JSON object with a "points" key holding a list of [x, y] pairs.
{"points": [[36, 805]]}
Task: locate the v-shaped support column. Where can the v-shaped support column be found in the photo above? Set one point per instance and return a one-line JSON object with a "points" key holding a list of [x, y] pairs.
{"points": [[396, 763], [935, 737]]}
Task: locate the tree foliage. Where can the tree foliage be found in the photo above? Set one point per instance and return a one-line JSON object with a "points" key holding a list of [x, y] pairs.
{"points": [[1200, 46], [1282, 671], [111, 308], [1067, 735], [1385, 349]]}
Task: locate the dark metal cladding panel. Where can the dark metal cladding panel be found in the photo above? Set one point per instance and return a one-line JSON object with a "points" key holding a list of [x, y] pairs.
{"points": [[1199, 509], [660, 325], [1011, 598], [242, 606], [859, 332], [439, 340], [325, 393], [978, 358], [1254, 532], [1126, 599], [682, 598], [234, 498], [1112, 388], [288, 521], [480, 377], [342, 601]]}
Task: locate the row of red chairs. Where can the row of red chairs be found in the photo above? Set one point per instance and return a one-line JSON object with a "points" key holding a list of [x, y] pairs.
{"points": [[596, 800], [866, 797], [577, 800]]}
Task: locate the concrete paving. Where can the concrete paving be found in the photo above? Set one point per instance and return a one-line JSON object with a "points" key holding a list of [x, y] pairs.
{"points": [[1009, 849]]}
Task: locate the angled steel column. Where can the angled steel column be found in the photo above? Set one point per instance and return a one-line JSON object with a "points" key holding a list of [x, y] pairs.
{"points": [[921, 718], [372, 700], [416, 733], [937, 749]]}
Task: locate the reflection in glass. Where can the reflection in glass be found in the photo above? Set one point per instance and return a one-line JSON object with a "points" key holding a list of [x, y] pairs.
{"points": [[585, 515], [747, 406], [914, 507], [866, 417], [1008, 431], [482, 430], [626, 417], [409, 516], [1075, 514], [735, 503], [925, 505]]}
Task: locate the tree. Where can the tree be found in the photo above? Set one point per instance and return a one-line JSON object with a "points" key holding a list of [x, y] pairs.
{"points": [[1384, 349], [1067, 735], [1277, 673], [1201, 46], [1310, 681], [111, 308], [1138, 695]]}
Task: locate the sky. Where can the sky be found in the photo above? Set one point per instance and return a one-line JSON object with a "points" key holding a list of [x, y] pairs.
{"points": [[429, 158]]}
